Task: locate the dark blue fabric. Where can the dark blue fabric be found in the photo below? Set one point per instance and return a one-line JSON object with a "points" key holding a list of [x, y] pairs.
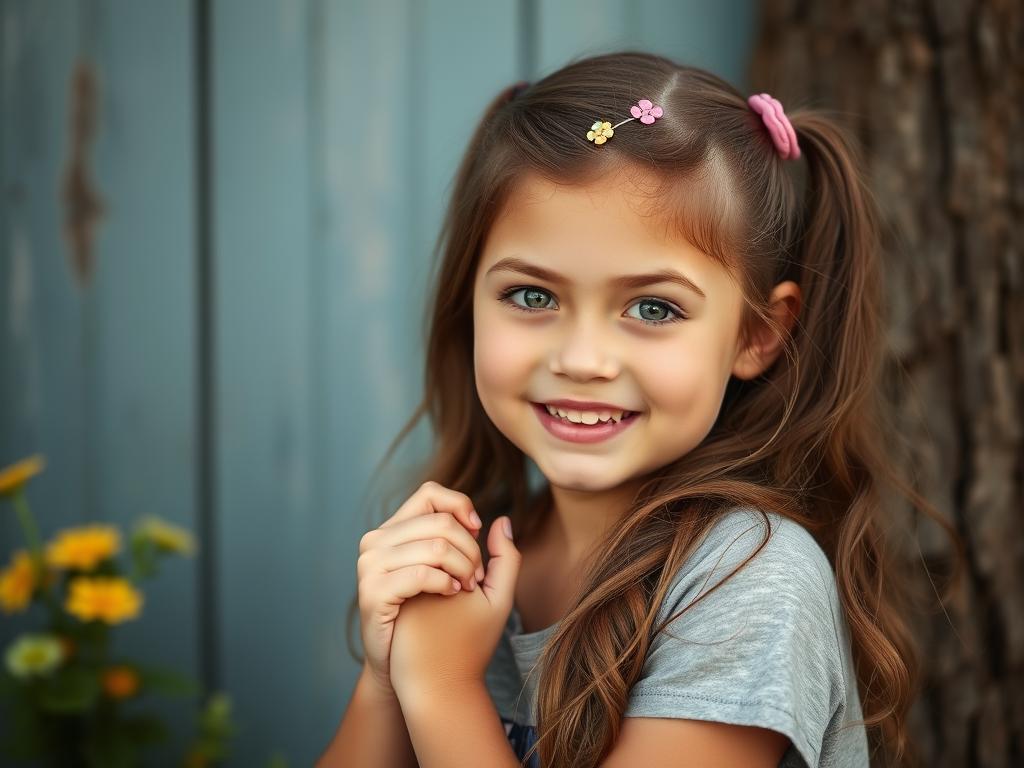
{"points": [[522, 737]]}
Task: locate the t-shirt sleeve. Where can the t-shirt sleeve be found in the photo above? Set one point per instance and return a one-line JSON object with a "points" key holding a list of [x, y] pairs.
{"points": [[762, 649]]}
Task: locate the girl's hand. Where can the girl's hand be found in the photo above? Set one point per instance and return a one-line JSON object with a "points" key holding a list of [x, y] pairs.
{"points": [[442, 644], [418, 549]]}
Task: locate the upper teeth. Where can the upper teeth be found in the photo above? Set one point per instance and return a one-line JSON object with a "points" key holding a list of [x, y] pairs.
{"points": [[586, 417]]}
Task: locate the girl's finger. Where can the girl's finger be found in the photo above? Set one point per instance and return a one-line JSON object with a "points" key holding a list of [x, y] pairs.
{"points": [[439, 525], [434, 497], [439, 553], [396, 587]]}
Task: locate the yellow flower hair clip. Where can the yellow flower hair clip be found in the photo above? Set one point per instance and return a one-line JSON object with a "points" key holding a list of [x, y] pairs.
{"points": [[644, 111]]}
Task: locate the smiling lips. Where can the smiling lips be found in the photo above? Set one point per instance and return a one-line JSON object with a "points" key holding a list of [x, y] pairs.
{"points": [[585, 411], [588, 416], [595, 431]]}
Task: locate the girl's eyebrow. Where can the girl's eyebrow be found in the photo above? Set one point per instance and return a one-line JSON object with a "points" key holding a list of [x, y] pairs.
{"points": [[513, 264]]}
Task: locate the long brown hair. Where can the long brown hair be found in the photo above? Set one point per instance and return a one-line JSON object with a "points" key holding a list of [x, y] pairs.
{"points": [[808, 439]]}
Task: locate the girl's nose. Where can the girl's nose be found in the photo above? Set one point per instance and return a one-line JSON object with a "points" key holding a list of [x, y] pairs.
{"points": [[585, 353]]}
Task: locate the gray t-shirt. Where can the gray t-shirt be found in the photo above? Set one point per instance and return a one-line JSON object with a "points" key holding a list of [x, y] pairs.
{"points": [[770, 648]]}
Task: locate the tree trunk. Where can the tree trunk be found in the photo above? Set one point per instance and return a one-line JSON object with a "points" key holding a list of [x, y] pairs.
{"points": [[935, 92]]}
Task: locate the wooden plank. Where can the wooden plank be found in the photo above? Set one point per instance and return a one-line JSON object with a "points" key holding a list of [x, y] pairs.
{"points": [[315, 135], [717, 36], [264, 423], [365, 188], [578, 28], [402, 86], [41, 367], [143, 301], [41, 322], [98, 373]]}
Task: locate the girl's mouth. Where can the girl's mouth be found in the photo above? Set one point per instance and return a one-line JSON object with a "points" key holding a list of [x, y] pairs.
{"points": [[582, 433]]}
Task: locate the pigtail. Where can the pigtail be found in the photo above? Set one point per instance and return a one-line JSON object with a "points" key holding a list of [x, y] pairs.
{"points": [[839, 251]]}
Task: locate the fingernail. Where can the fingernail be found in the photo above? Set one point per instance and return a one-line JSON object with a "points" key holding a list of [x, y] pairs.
{"points": [[474, 518], [508, 527], [456, 585]]}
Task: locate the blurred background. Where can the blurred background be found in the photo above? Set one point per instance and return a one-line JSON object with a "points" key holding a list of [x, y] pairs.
{"points": [[216, 231]]}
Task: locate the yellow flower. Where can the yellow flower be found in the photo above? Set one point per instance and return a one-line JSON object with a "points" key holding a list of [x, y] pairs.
{"points": [[120, 682], [600, 132], [83, 548], [16, 475], [17, 582], [106, 598], [166, 537], [34, 655]]}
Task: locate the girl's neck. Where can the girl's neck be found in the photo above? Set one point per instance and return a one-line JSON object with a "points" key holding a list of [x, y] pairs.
{"points": [[576, 520]]}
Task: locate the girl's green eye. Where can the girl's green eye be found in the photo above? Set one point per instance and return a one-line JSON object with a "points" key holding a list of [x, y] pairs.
{"points": [[537, 298], [534, 298], [661, 312]]}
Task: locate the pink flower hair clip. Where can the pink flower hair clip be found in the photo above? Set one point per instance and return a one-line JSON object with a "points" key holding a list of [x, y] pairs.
{"points": [[644, 111]]}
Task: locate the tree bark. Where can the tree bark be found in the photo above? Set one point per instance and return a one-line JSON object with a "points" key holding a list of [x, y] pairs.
{"points": [[934, 91]]}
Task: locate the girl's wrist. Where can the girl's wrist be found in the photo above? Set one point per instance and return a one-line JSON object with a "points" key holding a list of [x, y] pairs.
{"points": [[378, 688]]}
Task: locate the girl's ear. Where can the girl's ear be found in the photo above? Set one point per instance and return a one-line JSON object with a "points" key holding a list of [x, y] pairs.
{"points": [[765, 346]]}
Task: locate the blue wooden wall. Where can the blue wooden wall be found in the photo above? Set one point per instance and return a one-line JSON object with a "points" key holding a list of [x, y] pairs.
{"points": [[273, 176]]}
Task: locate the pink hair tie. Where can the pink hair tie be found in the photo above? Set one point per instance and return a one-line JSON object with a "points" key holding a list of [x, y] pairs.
{"points": [[778, 125]]}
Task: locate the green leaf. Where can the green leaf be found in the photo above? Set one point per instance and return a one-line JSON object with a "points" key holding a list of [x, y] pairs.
{"points": [[92, 635], [143, 556], [215, 721], [26, 736], [111, 750], [145, 729], [108, 567], [213, 751], [9, 686], [70, 689], [167, 681]]}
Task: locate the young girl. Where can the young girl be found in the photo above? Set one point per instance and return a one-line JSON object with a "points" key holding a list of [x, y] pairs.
{"points": [[668, 298]]}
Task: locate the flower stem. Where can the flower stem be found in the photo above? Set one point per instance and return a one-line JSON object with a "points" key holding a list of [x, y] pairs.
{"points": [[28, 527], [28, 524]]}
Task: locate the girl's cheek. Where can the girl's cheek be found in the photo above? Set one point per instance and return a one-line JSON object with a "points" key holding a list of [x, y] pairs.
{"points": [[502, 355], [683, 382], [500, 347], [504, 366]]}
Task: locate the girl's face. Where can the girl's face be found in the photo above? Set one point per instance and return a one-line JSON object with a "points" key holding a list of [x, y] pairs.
{"points": [[564, 253]]}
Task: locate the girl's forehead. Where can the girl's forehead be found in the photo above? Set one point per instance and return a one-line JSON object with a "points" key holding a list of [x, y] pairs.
{"points": [[614, 189], [614, 219]]}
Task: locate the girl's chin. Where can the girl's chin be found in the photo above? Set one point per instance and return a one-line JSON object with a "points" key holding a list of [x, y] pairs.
{"points": [[589, 473]]}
